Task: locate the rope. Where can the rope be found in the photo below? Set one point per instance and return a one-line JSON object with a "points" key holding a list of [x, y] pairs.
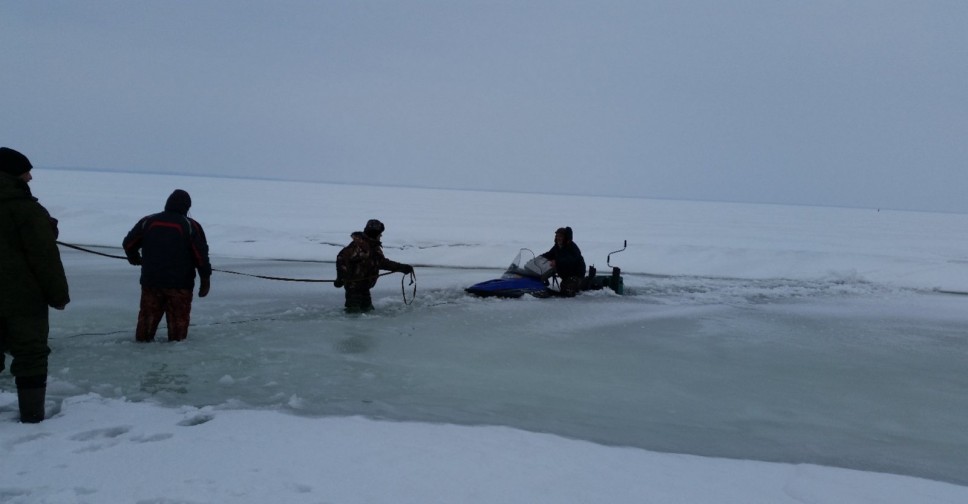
{"points": [[89, 251], [286, 279], [413, 277]]}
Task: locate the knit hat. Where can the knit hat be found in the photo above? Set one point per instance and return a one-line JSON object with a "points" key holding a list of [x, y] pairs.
{"points": [[566, 232], [374, 228], [179, 202], [13, 162]]}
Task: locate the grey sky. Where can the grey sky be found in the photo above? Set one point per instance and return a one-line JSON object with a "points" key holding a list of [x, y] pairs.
{"points": [[848, 102]]}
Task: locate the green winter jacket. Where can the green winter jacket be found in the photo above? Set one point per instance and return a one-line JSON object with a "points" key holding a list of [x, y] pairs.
{"points": [[31, 273]]}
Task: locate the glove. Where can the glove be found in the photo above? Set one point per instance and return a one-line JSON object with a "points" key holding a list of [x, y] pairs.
{"points": [[134, 260], [338, 283], [206, 284], [406, 269]]}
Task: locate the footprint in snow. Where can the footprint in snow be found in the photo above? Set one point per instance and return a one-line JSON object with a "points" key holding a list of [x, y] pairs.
{"points": [[99, 438], [109, 433]]}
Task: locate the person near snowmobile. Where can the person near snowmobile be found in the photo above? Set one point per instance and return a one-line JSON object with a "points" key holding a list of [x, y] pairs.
{"points": [[358, 266], [567, 261]]}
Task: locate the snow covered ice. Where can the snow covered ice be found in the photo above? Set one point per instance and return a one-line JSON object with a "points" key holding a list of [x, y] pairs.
{"points": [[763, 354]]}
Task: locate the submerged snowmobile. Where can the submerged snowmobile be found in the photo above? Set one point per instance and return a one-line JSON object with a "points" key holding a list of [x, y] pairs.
{"points": [[533, 276], [530, 277]]}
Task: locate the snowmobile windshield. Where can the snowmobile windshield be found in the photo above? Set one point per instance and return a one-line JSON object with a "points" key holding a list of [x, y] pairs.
{"points": [[529, 265]]}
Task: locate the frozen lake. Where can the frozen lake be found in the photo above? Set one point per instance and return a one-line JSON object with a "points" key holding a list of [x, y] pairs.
{"points": [[835, 372]]}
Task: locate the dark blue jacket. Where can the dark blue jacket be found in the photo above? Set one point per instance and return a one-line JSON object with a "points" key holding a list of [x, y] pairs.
{"points": [[170, 246], [568, 260]]}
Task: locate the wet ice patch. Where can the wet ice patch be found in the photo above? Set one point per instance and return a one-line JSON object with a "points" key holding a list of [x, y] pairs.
{"points": [[671, 290]]}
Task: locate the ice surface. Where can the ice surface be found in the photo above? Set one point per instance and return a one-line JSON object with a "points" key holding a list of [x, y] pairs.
{"points": [[826, 372], [789, 334]]}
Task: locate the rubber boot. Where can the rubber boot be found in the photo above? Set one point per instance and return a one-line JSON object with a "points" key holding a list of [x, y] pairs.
{"points": [[31, 394]]}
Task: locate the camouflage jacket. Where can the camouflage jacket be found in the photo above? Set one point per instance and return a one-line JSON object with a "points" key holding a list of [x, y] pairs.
{"points": [[358, 265]]}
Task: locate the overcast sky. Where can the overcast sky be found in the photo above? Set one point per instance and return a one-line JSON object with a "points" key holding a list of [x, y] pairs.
{"points": [[848, 102]]}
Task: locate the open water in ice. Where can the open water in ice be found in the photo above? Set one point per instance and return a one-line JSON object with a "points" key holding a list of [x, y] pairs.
{"points": [[833, 372]]}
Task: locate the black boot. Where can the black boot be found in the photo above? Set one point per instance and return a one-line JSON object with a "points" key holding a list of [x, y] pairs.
{"points": [[31, 394]]}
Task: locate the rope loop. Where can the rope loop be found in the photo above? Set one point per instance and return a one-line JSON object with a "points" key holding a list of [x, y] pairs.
{"points": [[403, 290]]}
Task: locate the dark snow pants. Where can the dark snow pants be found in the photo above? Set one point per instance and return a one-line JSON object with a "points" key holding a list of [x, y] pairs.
{"points": [[570, 286], [174, 304], [25, 339], [358, 300]]}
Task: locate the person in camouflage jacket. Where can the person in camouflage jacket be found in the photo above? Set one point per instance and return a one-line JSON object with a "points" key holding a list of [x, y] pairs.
{"points": [[32, 280], [358, 266]]}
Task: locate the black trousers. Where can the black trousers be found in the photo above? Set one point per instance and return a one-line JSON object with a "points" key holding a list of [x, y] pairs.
{"points": [[358, 300], [25, 339]]}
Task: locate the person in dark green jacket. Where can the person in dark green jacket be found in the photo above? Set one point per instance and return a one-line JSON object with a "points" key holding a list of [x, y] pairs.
{"points": [[31, 280]]}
